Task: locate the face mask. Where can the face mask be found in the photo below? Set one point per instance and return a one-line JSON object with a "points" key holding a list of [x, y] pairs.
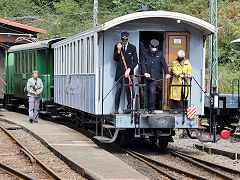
{"points": [[154, 49], [124, 39]]}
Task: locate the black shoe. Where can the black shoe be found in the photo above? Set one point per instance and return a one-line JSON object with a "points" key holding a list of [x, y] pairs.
{"points": [[145, 111], [116, 112], [127, 111], [175, 112], [152, 112], [35, 121], [31, 120]]}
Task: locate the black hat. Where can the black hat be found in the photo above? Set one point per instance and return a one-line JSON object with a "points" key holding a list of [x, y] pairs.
{"points": [[154, 42], [125, 34]]}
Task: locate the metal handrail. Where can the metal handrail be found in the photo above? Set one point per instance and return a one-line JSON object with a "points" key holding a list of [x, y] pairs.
{"points": [[233, 90]]}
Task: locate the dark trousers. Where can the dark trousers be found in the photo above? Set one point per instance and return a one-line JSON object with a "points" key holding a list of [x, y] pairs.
{"points": [[150, 95], [118, 95], [185, 102], [175, 104]]}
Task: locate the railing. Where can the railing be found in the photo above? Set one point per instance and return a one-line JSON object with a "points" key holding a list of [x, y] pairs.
{"points": [[233, 83]]}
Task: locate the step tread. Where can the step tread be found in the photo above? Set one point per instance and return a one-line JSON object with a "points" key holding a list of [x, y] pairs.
{"points": [[44, 112], [101, 138], [10, 104], [202, 127], [108, 126], [49, 105], [55, 117], [234, 124]]}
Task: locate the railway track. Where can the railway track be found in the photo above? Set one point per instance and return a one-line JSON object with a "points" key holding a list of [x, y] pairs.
{"points": [[221, 171], [14, 165], [173, 172]]}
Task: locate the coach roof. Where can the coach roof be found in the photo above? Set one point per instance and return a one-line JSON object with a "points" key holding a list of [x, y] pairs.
{"points": [[33, 45], [202, 25]]}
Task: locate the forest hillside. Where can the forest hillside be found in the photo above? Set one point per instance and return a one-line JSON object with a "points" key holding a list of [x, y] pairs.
{"points": [[69, 17]]}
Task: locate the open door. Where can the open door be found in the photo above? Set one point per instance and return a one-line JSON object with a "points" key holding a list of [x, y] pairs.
{"points": [[174, 41]]}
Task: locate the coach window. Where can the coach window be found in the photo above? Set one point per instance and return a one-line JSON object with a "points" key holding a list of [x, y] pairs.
{"points": [[92, 54], [34, 60], [67, 57], [30, 62], [82, 56], [79, 56], [19, 63], [71, 71], [26, 62], [64, 60], [75, 58], [22, 61], [15, 61], [88, 55]]}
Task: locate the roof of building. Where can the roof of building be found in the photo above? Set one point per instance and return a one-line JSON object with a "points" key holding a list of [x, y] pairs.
{"points": [[29, 28]]}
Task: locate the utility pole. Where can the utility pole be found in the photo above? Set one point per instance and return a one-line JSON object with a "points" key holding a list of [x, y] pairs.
{"points": [[213, 71], [95, 12], [213, 48]]}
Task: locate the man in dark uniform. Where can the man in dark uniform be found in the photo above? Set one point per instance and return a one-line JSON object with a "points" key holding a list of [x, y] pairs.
{"points": [[150, 66], [130, 55]]}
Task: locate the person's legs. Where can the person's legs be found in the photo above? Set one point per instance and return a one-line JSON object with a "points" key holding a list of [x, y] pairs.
{"points": [[175, 104], [118, 95], [129, 98], [152, 95], [146, 93], [31, 108], [36, 109]]}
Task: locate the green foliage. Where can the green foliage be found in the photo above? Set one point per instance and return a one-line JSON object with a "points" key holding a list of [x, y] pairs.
{"points": [[69, 17], [226, 76]]}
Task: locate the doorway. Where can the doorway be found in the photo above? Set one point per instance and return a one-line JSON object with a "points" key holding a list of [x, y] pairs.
{"points": [[145, 38], [174, 41], [169, 43]]}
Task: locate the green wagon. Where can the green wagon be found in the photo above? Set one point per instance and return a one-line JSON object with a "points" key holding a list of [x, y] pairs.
{"points": [[21, 60]]}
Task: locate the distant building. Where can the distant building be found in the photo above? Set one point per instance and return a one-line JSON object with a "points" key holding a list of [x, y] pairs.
{"points": [[12, 33]]}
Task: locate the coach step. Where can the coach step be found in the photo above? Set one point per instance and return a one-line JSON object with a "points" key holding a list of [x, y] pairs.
{"points": [[107, 140]]}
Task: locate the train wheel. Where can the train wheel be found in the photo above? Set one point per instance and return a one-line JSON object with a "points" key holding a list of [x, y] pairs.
{"points": [[153, 140], [124, 139], [163, 143]]}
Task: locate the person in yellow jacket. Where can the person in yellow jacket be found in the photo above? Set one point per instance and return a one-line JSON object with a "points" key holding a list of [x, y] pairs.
{"points": [[182, 71]]}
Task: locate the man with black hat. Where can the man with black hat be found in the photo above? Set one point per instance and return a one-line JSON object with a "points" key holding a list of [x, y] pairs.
{"points": [[150, 66], [125, 55]]}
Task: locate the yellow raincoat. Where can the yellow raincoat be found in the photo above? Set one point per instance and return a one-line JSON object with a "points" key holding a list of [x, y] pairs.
{"points": [[177, 69]]}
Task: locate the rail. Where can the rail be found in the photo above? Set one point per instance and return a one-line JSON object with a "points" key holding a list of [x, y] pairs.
{"points": [[201, 165], [46, 169], [154, 164], [15, 172]]}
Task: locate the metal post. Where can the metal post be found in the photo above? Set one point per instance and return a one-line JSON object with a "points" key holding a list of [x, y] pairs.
{"points": [[213, 47], [95, 12]]}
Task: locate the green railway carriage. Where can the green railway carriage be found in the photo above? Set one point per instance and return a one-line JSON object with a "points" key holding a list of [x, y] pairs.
{"points": [[21, 60]]}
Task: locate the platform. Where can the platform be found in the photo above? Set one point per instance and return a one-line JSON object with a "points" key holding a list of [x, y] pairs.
{"points": [[77, 150]]}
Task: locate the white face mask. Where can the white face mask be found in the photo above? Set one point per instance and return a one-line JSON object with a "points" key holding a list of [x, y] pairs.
{"points": [[154, 49]]}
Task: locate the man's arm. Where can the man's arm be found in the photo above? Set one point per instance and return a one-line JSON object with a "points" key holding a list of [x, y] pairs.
{"points": [[135, 58], [116, 53], [164, 65], [29, 88], [40, 89], [143, 64]]}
